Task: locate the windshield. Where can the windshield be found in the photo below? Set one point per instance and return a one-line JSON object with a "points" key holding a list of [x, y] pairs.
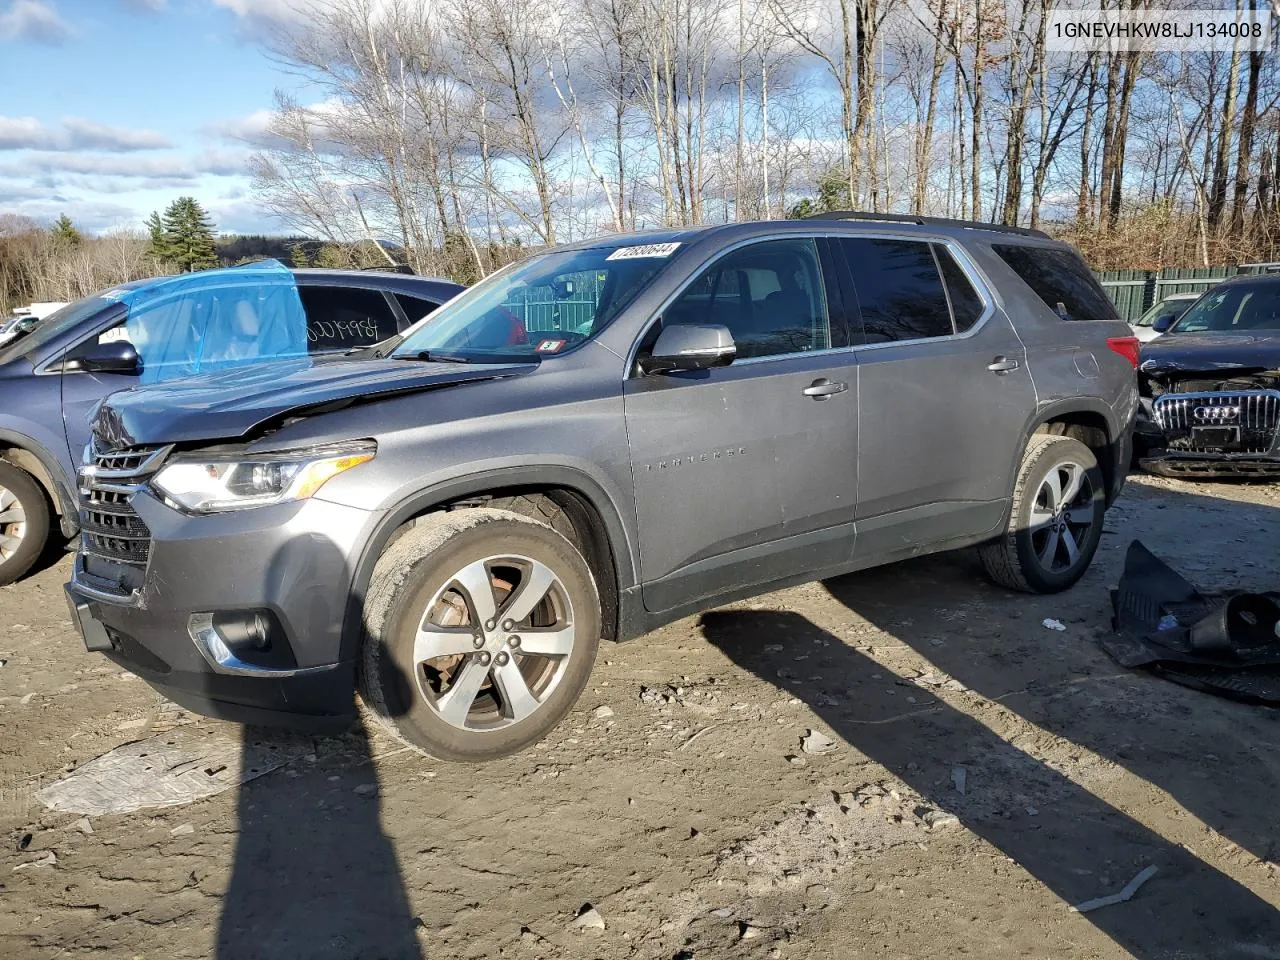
{"points": [[538, 307], [39, 332], [1173, 306], [1242, 308]]}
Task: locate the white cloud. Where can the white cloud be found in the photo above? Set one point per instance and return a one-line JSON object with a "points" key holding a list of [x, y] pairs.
{"points": [[85, 134], [253, 129], [91, 215], [24, 133], [28, 133], [169, 167], [34, 21], [257, 129]]}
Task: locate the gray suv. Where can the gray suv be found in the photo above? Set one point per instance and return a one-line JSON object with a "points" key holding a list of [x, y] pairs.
{"points": [[593, 442]]}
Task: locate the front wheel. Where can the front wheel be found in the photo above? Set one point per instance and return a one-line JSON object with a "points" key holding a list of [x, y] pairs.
{"points": [[481, 629], [24, 522], [1055, 522]]}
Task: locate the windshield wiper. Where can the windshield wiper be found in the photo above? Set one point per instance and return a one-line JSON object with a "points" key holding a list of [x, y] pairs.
{"points": [[440, 357]]}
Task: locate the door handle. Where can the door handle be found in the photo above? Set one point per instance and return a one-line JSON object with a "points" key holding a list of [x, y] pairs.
{"points": [[822, 388], [1003, 365]]}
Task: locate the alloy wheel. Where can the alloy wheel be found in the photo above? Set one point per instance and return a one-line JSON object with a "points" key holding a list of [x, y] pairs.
{"points": [[494, 642], [13, 523], [1062, 517]]}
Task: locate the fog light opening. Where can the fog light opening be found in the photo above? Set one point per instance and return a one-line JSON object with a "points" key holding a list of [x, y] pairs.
{"points": [[243, 642]]}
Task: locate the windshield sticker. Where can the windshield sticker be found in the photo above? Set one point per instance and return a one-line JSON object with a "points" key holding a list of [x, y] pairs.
{"points": [[550, 346], [114, 334], [644, 250]]}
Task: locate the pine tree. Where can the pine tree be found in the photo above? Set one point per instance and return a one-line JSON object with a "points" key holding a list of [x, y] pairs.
{"points": [[155, 229], [65, 235], [188, 235]]}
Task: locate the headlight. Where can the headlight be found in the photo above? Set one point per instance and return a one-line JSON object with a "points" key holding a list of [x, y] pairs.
{"points": [[213, 484]]}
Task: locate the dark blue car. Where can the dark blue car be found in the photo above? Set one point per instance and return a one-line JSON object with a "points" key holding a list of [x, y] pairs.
{"points": [[149, 331]]}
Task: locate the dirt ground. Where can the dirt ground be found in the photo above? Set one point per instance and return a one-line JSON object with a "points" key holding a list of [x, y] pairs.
{"points": [[984, 773]]}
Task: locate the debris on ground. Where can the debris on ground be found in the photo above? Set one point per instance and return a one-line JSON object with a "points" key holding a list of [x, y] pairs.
{"points": [[1127, 893], [1051, 624], [817, 743], [182, 830], [589, 918], [959, 779], [1225, 643], [604, 711], [84, 826], [174, 768], [50, 859]]}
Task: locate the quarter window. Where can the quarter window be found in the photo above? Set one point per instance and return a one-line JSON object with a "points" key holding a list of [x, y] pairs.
{"points": [[415, 308], [966, 305], [900, 292], [1061, 279], [770, 295]]}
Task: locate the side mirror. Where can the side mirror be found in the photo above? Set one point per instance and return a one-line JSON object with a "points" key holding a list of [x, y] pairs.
{"points": [[1163, 323], [117, 356], [690, 347]]}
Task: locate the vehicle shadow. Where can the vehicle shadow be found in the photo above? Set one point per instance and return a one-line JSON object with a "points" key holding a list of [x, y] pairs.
{"points": [[1074, 839], [1215, 757]]}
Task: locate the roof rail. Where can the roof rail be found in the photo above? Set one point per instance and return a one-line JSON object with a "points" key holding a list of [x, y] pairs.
{"points": [[926, 222]]}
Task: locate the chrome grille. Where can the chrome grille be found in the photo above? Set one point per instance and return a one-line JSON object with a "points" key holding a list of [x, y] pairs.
{"points": [[1256, 414], [110, 529]]}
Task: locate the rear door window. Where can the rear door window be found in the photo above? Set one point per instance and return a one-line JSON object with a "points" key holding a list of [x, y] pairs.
{"points": [[1061, 279], [900, 292], [415, 308], [344, 318]]}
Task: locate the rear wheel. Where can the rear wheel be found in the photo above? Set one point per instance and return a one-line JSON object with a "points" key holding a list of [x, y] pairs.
{"points": [[24, 522], [481, 629], [1056, 518]]}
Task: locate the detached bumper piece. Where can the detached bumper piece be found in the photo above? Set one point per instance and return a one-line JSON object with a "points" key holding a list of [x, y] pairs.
{"points": [[1169, 465], [1225, 643]]}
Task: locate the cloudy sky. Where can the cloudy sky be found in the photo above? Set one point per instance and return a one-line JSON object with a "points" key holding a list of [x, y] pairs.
{"points": [[112, 108]]}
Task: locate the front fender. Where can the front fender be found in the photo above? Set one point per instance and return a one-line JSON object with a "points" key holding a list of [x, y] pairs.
{"points": [[383, 526], [59, 479]]}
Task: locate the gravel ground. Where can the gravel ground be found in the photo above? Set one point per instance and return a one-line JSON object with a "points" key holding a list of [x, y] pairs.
{"points": [[900, 763]]}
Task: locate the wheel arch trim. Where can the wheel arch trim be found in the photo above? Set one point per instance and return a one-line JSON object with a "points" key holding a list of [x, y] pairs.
{"points": [[533, 475], [53, 482], [1076, 405]]}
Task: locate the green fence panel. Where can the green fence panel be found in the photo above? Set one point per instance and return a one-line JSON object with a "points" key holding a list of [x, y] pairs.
{"points": [[1133, 291], [1129, 290]]}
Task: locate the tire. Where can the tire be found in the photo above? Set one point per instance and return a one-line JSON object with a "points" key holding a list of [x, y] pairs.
{"points": [[1038, 530], [24, 522], [457, 705]]}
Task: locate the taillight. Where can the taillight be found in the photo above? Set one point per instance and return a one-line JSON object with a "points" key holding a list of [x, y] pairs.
{"points": [[1127, 347]]}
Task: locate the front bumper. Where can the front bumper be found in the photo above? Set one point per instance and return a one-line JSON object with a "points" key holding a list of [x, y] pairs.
{"points": [[291, 566], [1168, 454]]}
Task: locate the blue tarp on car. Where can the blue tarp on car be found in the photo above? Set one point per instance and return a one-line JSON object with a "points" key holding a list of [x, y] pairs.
{"points": [[214, 319]]}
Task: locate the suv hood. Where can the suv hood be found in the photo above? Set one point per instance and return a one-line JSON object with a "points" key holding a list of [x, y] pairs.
{"points": [[1210, 361], [233, 403]]}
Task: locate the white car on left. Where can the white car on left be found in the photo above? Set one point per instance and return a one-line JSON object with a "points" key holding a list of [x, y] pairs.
{"points": [[24, 318]]}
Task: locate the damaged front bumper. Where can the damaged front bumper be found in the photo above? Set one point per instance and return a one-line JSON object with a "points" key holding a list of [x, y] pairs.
{"points": [[1211, 434]]}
